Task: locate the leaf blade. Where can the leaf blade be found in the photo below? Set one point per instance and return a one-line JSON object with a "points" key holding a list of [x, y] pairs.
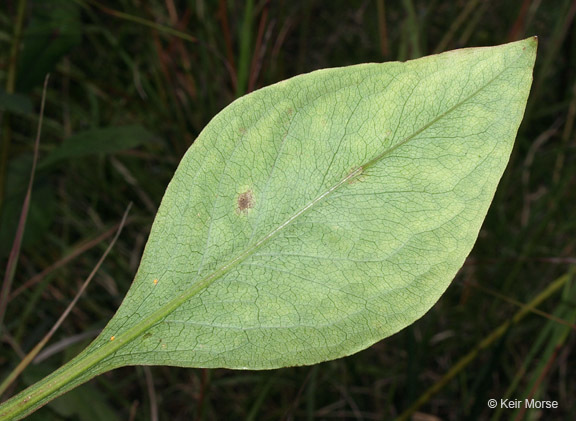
{"points": [[222, 297]]}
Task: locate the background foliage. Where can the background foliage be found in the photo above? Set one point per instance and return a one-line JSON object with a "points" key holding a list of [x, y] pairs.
{"points": [[133, 83]]}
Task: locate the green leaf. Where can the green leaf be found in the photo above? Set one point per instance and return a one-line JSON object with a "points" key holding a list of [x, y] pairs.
{"points": [[43, 205], [313, 218], [16, 103], [54, 29], [103, 140]]}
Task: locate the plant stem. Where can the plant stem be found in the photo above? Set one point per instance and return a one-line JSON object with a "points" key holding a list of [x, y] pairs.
{"points": [[74, 373], [32, 354], [17, 244], [485, 343], [141, 21], [10, 87], [245, 47]]}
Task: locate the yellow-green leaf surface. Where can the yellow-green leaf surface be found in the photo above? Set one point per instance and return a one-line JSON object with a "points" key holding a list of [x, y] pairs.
{"points": [[314, 217]]}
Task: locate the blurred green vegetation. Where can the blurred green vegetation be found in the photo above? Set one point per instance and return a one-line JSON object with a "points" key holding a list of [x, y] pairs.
{"points": [[132, 84]]}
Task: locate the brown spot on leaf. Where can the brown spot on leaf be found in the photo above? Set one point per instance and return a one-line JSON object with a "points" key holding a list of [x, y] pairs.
{"points": [[245, 201]]}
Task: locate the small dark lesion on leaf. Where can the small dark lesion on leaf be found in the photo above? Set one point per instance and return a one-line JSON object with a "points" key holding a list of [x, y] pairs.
{"points": [[245, 201]]}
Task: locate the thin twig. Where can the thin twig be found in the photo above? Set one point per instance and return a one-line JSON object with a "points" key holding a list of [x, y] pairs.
{"points": [[78, 251], [15, 252], [141, 21], [539, 381], [32, 354], [64, 344], [259, 49], [522, 305]]}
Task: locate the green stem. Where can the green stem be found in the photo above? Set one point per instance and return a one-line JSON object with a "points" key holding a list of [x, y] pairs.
{"points": [[74, 373], [245, 48], [10, 87], [485, 343], [17, 244], [141, 21], [32, 354], [79, 370], [11, 76]]}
